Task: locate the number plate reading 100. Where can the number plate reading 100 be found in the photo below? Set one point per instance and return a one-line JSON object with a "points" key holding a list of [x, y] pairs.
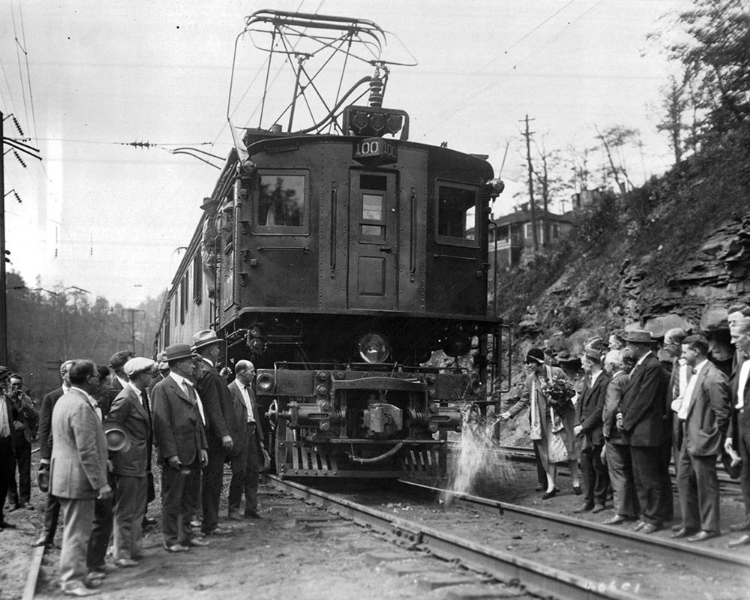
{"points": [[376, 149]]}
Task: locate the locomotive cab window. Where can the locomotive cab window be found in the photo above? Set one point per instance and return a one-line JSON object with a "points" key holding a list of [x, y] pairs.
{"points": [[457, 214], [281, 203], [372, 223]]}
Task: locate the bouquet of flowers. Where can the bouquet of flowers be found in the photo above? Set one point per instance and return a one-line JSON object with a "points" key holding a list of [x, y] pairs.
{"points": [[559, 393]]}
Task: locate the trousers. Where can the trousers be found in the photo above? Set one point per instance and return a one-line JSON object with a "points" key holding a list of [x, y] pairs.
{"points": [[78, 520]]}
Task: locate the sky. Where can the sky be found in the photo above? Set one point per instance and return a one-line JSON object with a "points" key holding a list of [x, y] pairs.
{"points": [[85, 78]]}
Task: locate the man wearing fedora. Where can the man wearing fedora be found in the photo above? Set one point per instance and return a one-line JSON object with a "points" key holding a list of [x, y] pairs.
{"points": [[119, 381], [78, 473], [180, 437], [221, 426], [129, 417], [645, 425]]}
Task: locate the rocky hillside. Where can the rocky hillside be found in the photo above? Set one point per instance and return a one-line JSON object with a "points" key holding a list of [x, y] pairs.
{"points": [[675, 252]]}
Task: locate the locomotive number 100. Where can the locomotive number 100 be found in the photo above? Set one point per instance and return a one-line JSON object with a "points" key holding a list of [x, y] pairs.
{"points": [[380, 148]]}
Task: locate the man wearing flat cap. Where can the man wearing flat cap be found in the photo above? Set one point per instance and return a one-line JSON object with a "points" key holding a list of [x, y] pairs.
{"points": [[221, 425], [180, 437], [646, 428], [129, 464], [6, 444]]}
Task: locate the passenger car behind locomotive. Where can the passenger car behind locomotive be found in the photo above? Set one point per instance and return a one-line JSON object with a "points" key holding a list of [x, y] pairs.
{"points": [[338, 262]]}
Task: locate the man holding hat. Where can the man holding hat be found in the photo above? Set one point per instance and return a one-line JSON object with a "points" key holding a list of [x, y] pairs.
{"points": [[6, 444], [221, 425], [78, 473], [180, 437], [645, 425], [128, 425]]}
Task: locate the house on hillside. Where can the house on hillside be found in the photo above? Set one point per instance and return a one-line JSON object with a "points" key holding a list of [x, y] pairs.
{"points": [[514, 235]]}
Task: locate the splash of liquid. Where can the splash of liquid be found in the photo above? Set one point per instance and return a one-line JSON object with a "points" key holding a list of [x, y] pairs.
{"points": [[479, 458]]}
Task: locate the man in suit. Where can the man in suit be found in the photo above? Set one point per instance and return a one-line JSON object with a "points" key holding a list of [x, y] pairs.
{"points": [[24, 430], [221, 427], [6, 444], [52, 506], [119, 381], [248, 446], [180, 437], [617, 452], [78, 473], [128, 416], [645, 428], [589, 430], [738, 438], [703, 419]]}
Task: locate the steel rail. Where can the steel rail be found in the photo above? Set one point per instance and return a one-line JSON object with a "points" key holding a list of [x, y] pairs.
{"points": [[534, 577], [31, 579], [527, 454], [712, 560]]}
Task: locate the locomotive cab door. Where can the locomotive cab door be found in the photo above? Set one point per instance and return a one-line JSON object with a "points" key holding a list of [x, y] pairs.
{"points": [[373, 248]]}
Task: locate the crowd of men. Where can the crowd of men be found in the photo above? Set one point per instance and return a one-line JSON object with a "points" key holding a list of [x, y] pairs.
{"points": [[96, 433], [642, 402]]}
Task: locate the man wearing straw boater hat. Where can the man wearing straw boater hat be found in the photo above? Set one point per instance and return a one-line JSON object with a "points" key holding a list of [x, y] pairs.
{"points": [[221, 426], [180, 437], [129, 415], [645, 426]]}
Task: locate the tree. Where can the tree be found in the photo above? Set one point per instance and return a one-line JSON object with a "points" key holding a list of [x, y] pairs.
{"points": [[674, 101], [716, 60], [614, 139]]}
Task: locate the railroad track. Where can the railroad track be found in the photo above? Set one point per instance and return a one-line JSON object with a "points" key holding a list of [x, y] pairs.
{"points": [[537, 577], [726, 483]]}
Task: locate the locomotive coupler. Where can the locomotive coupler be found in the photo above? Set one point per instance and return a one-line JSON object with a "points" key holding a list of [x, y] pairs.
{"points": [[383, 419]]}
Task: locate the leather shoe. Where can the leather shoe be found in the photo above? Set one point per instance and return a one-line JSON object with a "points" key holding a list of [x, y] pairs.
{"points": [[42, 541], [218, 531], [540, 488], [194, 542], [6, 525], [577, 490], [234, 516], [548, 495], [649, 528], [683, 532], [14, 508], [744, 526], [79, 591], [597, 509], [740, 541], [639, 525], [702, 536], [252, 514], [584, 508], [125, 563], [176, 548], [616, 520]]}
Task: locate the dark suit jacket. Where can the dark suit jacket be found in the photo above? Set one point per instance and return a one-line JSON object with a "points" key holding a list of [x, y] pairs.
{"points": [[45, 422], [740, 422], [177, 424], [219, 407], [10, 411], [240, 411], [131, 415], [708, 414], [612, 400], [79, 457], [645, 419], [589, 409]]}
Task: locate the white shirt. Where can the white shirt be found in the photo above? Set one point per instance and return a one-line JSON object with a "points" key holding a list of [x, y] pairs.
{"points": [[123, 382], [138, 392], [185, 385], [682, 383], [687, 399], [5, 418], [248, 402], [744, 374], [594, 377]]}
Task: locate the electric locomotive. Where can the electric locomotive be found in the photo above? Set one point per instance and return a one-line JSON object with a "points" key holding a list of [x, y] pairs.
{"points": [[338, 257]]}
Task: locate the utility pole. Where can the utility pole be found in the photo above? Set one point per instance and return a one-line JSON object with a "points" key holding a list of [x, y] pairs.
{"points": [[527, 135], [3, 283], [132, 312]]}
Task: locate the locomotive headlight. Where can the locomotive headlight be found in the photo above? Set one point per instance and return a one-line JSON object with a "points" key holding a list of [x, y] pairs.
{"points": [[264, 382], [374, 348]]}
